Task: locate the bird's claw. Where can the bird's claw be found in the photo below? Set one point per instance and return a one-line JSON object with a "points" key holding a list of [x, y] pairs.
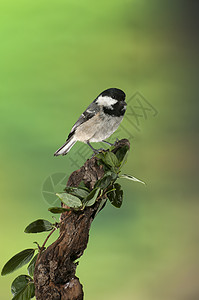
{"points": [[116, 141], [97, 151]]}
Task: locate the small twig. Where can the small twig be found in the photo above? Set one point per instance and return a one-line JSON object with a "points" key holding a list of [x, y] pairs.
{"points": [[43, 246], [57, 225], [55, 271]]}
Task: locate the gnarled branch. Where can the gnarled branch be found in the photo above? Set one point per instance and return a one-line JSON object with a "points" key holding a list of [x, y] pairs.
{"points": [[55, 269]]}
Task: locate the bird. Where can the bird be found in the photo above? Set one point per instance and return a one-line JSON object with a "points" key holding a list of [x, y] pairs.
{"points": [[98, 122]]}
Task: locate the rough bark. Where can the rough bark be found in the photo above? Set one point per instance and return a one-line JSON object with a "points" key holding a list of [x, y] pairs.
{"points": [[55, 269]]}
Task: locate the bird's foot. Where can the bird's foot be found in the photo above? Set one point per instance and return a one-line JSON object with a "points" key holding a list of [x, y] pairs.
{"points": [[97, 151], [116, 141]]}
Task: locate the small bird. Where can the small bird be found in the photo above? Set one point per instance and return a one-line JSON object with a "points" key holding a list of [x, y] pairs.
{"points": [[98, 122]]}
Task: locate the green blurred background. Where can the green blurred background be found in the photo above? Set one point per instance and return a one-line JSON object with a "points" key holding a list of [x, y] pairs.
{"points": [[55, 58]]}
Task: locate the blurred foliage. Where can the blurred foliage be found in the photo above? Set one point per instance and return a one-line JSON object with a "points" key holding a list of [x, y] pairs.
{"points": [[55, 58]]}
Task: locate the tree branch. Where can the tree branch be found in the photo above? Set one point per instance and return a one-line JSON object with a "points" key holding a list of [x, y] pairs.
{"points": [[55, 269]]}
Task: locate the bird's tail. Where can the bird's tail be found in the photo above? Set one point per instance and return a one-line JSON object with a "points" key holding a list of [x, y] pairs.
{"points": [[63, 150]]}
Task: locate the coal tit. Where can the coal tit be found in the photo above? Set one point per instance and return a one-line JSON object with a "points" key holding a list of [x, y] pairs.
{"points": [[98, 122]]}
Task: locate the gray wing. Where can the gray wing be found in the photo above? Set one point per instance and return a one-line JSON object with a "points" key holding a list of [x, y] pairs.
{"points": [[90, 112]]}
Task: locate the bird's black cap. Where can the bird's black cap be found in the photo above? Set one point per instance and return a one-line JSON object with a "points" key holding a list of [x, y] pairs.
{"points": [[114, 93]]}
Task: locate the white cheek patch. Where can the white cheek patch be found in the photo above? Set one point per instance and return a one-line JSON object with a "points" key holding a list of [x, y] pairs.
{"points": [[106, 101]]}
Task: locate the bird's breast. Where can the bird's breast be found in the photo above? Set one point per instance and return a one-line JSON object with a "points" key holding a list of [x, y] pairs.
{"points": [[98, 128]]}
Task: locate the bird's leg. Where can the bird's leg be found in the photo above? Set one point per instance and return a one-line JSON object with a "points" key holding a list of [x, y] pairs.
{"points": [[96, 151], [116, 141], [108, 143]]}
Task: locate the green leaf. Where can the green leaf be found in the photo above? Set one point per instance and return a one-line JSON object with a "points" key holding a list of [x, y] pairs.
{"points": [[108, 160], [82, 186], [76, 191], [27, 293], [101, 155], [23, 288], [114, 160], [91, 198], [122, 154], [111, 159], [31, 266], [39, 226], [19, 283], [70, 200], [131, 178], [108, 178], [102, 203], [116, 196], [58, 210], [110, 189], [18, 261]]}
